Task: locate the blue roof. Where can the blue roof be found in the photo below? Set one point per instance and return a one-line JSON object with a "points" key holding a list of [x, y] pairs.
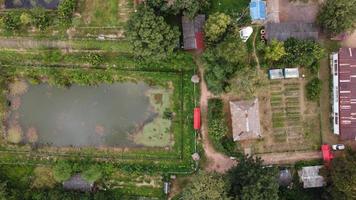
{"points": [[258, 10]]}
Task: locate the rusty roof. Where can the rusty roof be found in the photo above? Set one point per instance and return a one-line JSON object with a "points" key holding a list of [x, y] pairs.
{"points": [[347, 93]]}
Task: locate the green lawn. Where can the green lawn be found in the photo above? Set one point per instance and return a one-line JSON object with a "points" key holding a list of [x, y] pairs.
{"points": [[229, 6]]}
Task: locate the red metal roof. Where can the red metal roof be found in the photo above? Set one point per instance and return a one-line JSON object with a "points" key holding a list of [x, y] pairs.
{"points": [[197, 123], [327, 155], [199, 40], [347, 93]]}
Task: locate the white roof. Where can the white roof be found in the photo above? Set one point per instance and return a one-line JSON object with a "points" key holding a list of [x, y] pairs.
{"points": [[291, 73], [276, 74], [310, 177], [245, 33]]}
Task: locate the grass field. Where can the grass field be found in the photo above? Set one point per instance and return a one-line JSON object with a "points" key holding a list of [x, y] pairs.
{"points": [[229, 6]]}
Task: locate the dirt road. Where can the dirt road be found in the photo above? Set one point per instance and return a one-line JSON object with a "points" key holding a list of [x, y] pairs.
{"points": [[216, 161], [289, 157], [28, 43]]}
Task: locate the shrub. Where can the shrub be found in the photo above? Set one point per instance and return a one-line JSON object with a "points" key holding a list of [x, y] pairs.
{"points": [[95, 59], [14, 134], [40, 18], [12, 21], [216, 26], [92, 174], [65, 11], [43, 178], [314, 89], [62, 171], [26, 19], [18, 87]]}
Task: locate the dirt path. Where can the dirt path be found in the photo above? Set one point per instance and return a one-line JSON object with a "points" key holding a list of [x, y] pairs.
{"points": [[216, 161], [28, 43], [289, 157]]}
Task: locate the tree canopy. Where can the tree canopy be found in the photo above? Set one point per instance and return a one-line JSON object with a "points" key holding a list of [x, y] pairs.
{"points": [[337, 16], [150, 35], [251, 181], [62, 171], [206, 186], [275, 51], [216, 26], [343, 175], [314, 89]]}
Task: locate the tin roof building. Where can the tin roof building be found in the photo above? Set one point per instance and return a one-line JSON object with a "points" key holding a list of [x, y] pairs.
{"points": [[193, 37], [258, 10], [344, 66]]}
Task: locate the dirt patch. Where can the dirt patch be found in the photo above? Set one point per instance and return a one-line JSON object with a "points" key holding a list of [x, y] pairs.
{"points": [[350, 41], [298, 11]]}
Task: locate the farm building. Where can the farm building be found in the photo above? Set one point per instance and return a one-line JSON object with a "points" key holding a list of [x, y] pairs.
{"points": [[276, 74], [291, 73], [285, 30], [310, 177], [343, 66], [257, 10], [77, 183], [245, 119], [193, 32]]}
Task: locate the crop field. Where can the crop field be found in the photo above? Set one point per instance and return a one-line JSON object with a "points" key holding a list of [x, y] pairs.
{"points": [[294, 122]]}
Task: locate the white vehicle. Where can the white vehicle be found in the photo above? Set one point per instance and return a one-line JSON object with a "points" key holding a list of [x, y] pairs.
{"points": [[338, 147]]}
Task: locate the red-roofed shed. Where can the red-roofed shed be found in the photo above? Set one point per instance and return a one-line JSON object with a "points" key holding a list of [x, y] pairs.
{"points": [[199, 40], [327, 154], [197, 123]]}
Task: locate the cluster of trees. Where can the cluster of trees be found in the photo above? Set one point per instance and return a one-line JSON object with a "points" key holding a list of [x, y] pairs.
{"points": [[313, 88], [38, 17], [247, 180], [337, 16]]}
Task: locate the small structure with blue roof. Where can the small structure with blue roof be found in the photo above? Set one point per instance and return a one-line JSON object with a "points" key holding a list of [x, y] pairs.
{"points": [[258, 10]]}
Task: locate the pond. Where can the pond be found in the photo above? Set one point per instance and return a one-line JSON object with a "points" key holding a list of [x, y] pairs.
{"points": [[47, 4], [117, 115]]}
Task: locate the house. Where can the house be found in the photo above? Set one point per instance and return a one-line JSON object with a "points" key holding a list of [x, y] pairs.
{"points": [[77, 183], [193, 38], [258, 10], [343, 64], [310, 177], [276, 74], [245, 119], [285, 30], [291, 73]]}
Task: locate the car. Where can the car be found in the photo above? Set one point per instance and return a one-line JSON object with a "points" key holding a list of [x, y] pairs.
{"points": [[338, 147]]}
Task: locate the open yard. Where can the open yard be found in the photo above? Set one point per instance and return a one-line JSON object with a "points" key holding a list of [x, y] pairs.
{"points": [[289, 121]]}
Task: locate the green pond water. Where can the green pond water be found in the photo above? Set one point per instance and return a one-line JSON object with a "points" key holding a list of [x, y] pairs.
{"points": [[104, 115]]}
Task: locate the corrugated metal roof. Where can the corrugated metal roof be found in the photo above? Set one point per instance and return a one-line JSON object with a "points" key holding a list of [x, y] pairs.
{"points": [[192, 32], [347, 93], [276, 74], [299, 30], [258, 10]]}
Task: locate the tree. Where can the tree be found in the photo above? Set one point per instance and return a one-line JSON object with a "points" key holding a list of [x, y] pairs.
{"points": [[314, 89], [150, 35], [216, 26], [275, 51], [343, 175], [232, 50], [191, 8], [40, 18], [206, 186], [25, 18], [302, 52], [62, 171], [92, 174], [250, 180], [337, 16]]}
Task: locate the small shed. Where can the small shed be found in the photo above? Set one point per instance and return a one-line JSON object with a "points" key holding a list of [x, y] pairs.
{"points": [[258, 10], [245, 120], [291, 73], [276, 74], [197, 123], [245, 33], [310, 177], [77, 183], [193, 37]]}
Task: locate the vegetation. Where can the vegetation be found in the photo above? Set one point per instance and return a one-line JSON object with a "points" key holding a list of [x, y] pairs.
{"points": [[275, 51], [216, 26], [337, 16], [150, 35], [12, 21], [206, 186], [92, 174], [249, 179], [40, 18], [65, 11], [222, 62], [313, 88], [62, 171], [343, 176], [14, 134]]}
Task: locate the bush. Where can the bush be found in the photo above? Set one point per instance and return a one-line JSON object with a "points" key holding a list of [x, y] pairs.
{"points": [[14, 134], [216, 26], [314, 89], [62, 171], [43, 178], [12, 21], [40, 18], [65, 12], [26, 19], [92, 174], [95, 59]]}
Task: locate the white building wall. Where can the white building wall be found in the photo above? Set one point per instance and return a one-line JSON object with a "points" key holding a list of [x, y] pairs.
{"points": [[334, 62]]}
